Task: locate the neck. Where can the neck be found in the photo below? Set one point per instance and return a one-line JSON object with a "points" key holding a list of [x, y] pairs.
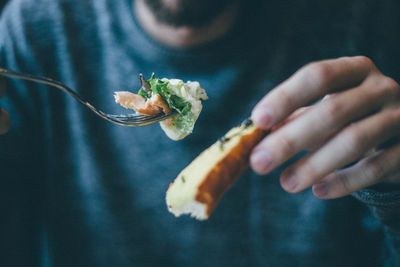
{"points": [[185, 37]]}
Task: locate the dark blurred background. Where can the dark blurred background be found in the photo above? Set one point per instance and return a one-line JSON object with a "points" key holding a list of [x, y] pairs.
{"points": [[2, 4]]}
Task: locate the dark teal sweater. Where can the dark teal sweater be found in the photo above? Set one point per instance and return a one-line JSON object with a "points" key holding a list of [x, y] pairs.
{"points": [[76, 190]]}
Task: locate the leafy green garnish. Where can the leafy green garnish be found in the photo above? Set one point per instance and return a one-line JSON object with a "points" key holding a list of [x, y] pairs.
{"points": [[179, 104], [185, 122], [143, 94], [175, 102]]}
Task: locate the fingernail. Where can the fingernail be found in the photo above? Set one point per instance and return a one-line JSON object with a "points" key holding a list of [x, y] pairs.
{"points": [[262, 117], [290, 182], [320, 190], [260, 161]]}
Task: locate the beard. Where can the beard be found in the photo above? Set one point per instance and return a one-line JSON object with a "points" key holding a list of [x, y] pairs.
{"points": [[191, 13]]}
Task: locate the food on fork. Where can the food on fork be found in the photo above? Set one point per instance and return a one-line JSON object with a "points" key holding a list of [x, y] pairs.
{"points": [[165, 96], [199, 187], [151, 106]]}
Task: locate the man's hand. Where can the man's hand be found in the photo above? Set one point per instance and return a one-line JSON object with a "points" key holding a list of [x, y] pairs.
{"points": [[4, 117], [357, 122]]}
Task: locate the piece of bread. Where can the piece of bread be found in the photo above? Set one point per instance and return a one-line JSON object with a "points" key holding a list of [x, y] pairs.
{"points": [[199, 187]]}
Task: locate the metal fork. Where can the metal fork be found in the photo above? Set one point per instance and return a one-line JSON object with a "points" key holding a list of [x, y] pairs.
{"points": [[124, 120]]}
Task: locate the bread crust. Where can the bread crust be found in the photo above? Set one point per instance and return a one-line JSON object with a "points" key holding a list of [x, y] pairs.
{"points": [[227, 170]]}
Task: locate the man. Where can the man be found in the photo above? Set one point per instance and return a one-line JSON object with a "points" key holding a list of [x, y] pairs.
{"points": [[78, 191]]}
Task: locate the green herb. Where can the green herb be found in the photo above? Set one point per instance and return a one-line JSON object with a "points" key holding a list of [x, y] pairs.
{"points": [[183, 179], [143, 94], [244, 125], [222, 142], [175, 102], [179, 104]]}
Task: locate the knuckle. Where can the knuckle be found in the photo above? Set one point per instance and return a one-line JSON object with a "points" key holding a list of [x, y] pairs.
{"points": [[392, 117], [366, 61], [374, 170], [318, 72], [285, 99], [285, 145], [390, 87], [331, 110], [396, 116], [309, 173], [353, 140], [345, 183]]}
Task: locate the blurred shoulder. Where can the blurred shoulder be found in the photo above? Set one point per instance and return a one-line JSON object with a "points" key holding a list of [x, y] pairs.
{"points": [[41, 29]]}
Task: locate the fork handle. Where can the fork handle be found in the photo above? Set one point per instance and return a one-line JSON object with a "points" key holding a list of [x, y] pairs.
{"points": [[51, 82], [43, 80]]}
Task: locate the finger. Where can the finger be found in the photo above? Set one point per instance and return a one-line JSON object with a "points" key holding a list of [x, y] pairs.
{"points": [[349, 145], [4, 121], [319, 123], [382, 166], [308, 84], [297, 113]]}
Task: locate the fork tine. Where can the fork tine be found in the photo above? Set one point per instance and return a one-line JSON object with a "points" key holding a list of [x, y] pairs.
{"points": [[158, 117], [139, 118], [136, 117]]}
